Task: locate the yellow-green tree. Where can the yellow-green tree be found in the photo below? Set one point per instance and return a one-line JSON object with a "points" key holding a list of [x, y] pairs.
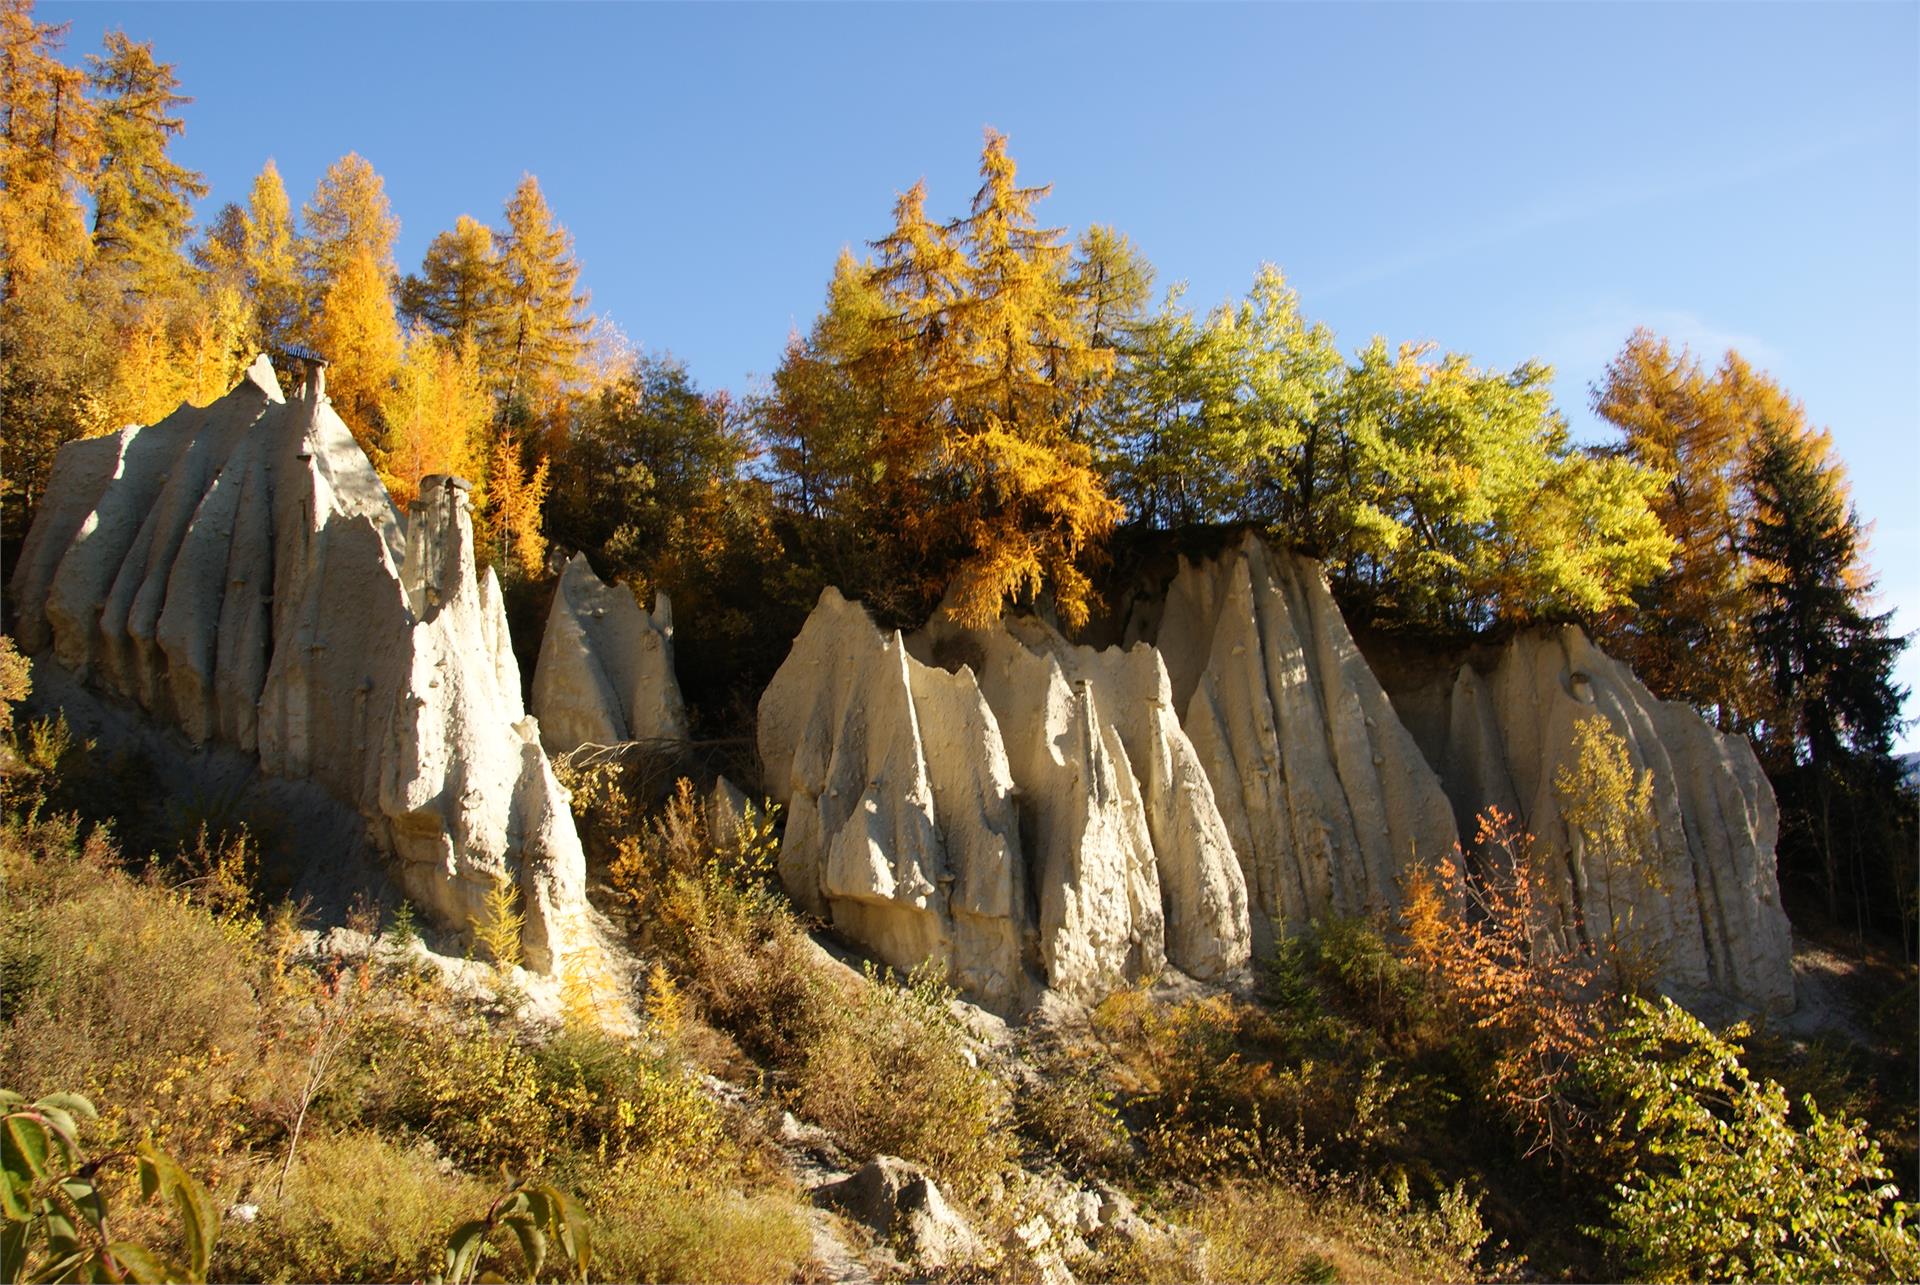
{"points": [[357, 331], [433, 416], [542, 309], [1608, 807]]}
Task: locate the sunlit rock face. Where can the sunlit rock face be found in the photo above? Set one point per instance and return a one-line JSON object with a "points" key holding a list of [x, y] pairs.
{"points": [[1130, 858], [238, 571], [605, 673], [1705, 916], [1325, 795], [1023, 812], [901, 826]]}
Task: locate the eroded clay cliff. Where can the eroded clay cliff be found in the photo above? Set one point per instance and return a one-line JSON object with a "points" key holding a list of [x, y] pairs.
{"points": [[1325, 796], [1704, 912], [605, 672], [238, 572], [1023, 812]]}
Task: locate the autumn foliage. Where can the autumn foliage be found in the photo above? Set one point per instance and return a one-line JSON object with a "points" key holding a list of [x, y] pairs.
{"points": [[1486, 945]]}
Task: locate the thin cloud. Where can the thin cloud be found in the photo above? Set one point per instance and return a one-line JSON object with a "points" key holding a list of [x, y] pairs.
{"points": [[1567, 209]]}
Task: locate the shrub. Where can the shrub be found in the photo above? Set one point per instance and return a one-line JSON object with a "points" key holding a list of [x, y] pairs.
{"points": [[146, 1002], [1067, 1107], [1485, 947], [882, 1065], [890, 1073], [357, 1207], [1720, 1184], [651, 1224], [476, 1092]]}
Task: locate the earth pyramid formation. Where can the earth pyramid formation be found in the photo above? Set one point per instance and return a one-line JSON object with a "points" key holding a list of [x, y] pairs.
{"points": [[605, 673], [1028, 813], [1023, 818], [239, 572], [1704, 910]]}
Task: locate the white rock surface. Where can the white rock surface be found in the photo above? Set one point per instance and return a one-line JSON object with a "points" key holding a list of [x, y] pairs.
{"points": [[1023, 813], [1325, 796], [1711, 921], [238, 572], [1132, 860], [605, 672], [901, 826]]}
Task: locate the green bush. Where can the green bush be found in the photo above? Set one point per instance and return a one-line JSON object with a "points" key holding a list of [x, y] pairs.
{"points": [[1720, 1184]]}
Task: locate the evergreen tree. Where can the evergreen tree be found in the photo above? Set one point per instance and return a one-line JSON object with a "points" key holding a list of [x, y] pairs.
{"points": [[544, 326], [143, 199], [1830, 663]]}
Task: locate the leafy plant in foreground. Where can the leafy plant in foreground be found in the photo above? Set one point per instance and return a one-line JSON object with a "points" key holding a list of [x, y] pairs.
{"points": [[1722, 1185], [537, 1215], [55, 1215]]}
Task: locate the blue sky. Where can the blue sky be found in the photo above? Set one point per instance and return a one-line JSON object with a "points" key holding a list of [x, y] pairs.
{"points": [[1510, 181]]}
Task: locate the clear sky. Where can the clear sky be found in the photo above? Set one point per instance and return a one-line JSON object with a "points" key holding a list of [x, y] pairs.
{"points": [[1511, 181]]}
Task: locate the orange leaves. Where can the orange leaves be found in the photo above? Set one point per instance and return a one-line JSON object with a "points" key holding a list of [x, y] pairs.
{"points": [[1487, 947]]}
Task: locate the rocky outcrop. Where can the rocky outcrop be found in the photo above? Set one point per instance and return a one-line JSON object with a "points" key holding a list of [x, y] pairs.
{"points": [[1025, 813], [1705, 912], [605, 673], [1325, 796], [901, 827], [239, 573], [1130, 856], [899, 1202]]}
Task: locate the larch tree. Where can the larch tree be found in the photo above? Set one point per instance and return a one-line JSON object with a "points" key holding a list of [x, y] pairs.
{"points": [[49, 150], [1018, 506], [270, 260], [434, 416], [543, 320], [356, 330], [349, 215], [512, 529], [53, 343], [459, 289], [142, 198], [1687, 636]]}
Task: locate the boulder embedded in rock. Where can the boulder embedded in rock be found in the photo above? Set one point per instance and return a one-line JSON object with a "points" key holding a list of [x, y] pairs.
{"points": [[605, 672]]}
